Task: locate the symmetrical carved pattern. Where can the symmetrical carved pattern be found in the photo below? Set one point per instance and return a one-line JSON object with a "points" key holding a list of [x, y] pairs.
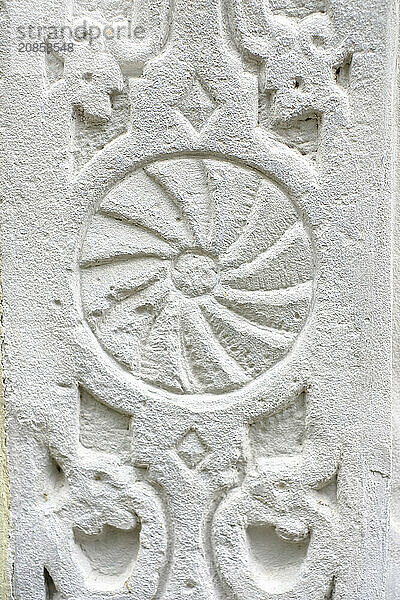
{"points": [[196, 274], [188, 441]]}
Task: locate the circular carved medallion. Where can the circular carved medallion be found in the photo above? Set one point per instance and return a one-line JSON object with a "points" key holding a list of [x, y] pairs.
{"points": [[196, 274]]}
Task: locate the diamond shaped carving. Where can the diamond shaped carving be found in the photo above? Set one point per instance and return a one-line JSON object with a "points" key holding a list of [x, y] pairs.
{"points": [[191, 449], [197, 106]]}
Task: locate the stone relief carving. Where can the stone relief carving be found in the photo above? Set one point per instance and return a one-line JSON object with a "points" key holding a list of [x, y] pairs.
{"points": [[196, 274], [301, 89], [284, 526], [201, 466], [107, 526]]}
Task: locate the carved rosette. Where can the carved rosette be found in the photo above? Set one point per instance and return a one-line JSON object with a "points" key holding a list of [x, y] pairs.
{"points": [[196, 274]]}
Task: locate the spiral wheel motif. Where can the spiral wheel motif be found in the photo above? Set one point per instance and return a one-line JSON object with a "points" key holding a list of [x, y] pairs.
{"points": [[196, 274]]}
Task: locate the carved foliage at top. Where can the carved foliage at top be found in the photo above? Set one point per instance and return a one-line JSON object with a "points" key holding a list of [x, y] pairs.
{"points": [[304, 66], [85, 76], [94, 70], [299, 57]]}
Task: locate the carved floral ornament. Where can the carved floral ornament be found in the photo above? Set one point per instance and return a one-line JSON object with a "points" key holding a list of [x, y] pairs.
{"points": [[301, 84], [196, 274], [197, 277], [303, 63]]}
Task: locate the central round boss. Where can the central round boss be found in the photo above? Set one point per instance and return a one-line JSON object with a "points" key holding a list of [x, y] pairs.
{"points": [[194, 274]]}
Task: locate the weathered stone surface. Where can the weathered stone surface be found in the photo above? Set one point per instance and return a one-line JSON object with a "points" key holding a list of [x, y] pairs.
{"points": [[4, 500], [196, 295], [393, 586]]}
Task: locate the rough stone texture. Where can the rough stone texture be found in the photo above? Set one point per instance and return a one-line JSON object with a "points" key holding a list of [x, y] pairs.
{"points": [[4, 495], [4, 479], [393, 587], [196, 276]]}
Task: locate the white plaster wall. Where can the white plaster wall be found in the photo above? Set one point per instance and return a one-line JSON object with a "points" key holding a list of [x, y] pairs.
{"points": [[197, 279], [393, 587]]}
